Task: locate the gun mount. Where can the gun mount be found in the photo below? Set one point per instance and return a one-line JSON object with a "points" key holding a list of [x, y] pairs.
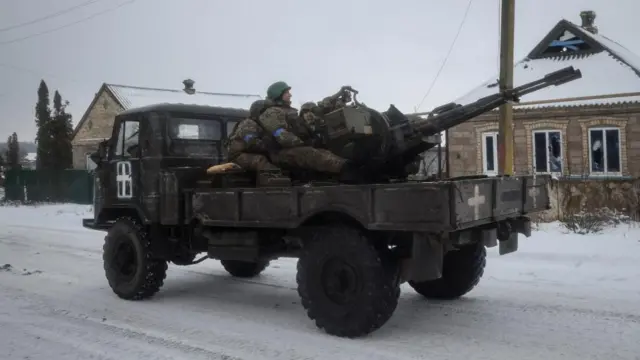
{"points": [[388, 141]]}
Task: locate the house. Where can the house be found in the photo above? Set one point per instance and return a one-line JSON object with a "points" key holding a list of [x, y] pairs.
{"points": [[430, 160], [588, 128], [29, 161], [97, 122]]}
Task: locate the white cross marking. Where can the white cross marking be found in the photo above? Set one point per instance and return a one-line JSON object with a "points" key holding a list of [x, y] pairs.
{"points": [[123, 178], [533, 192], [476, 201]]}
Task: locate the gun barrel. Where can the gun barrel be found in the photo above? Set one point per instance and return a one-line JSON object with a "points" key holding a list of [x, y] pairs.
{"points": [[455, 115]]}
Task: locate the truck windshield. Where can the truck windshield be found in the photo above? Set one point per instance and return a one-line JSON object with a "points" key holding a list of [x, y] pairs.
{"points": [[195, 129]]}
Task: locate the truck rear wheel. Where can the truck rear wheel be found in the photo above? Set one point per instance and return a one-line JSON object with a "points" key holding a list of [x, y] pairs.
{"points": [[345, 284], [461, 272], [244, 269], [131, 270]]}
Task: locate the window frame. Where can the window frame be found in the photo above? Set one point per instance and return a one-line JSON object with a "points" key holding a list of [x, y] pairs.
{"points": [[604, 129], [484, 137], [533, 151]]}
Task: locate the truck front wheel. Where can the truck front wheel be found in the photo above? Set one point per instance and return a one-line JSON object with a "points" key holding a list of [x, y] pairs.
{"points": [[131, 270], [244, 269], [348, 286], [461, 272]]}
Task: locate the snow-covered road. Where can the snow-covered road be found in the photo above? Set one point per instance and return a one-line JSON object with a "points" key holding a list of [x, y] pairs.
{"points": [[558, 297]]}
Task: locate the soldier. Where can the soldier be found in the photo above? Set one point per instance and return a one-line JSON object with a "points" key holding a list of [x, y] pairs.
{"points": [[314, 123], [246, 145], [283, 124], [312, 114]]}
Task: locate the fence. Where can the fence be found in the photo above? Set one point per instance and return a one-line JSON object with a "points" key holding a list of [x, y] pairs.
{"points": [[71, 186]]}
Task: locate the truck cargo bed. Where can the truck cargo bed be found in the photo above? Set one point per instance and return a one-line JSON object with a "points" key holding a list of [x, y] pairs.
{"points": [[422, 206]]}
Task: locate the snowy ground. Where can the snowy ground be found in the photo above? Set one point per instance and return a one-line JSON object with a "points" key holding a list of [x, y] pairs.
{"points": [[559, 297]]}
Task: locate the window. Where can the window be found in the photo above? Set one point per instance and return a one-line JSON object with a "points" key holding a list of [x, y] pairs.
{"points": [[188, 131], [547, 151], [195, 129], [490, 153], [90, 164], [128, 138], [604, 151], [230, 126]]}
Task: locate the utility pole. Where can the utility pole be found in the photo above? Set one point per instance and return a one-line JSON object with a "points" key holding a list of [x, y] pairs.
{"points": [[505, 129]]}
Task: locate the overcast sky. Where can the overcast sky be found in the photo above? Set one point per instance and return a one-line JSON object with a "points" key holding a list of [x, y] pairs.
{"points": [[389, 50]]}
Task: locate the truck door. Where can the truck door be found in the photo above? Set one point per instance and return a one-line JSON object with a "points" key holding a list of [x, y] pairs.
{"points": [[125, 163]]}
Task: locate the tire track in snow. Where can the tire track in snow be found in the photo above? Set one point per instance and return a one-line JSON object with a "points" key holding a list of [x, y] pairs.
{"points": [[33, 311]]}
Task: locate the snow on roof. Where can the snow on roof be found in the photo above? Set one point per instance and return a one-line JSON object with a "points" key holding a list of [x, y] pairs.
{"points": [[133, 97], [31, 156], [611, 71], [614, 47]]}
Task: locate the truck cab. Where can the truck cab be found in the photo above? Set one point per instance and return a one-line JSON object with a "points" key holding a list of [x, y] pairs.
{"points": [[153, 152]]}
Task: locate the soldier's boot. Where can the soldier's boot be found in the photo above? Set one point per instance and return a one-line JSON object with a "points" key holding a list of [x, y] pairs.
{"points": [[272, 178]]}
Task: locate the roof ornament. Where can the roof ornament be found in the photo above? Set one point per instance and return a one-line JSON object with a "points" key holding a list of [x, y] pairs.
{"points": [[188, 86], [588, 17]]}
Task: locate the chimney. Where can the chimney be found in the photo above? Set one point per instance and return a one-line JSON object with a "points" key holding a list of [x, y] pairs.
{"points": [[188, 86], [588, 17]]}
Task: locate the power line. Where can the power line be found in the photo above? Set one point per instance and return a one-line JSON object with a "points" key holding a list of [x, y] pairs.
{"points": [[68, 25], [87, 83], [464, 18], [50, 16]]}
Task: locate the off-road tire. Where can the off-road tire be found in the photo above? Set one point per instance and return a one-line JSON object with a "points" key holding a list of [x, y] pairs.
{"points": [[461, 271], [149, 272], [244, 269], [377, 287]]}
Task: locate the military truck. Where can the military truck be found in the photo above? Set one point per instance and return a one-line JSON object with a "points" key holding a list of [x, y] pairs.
{"points": [[355, 243]]}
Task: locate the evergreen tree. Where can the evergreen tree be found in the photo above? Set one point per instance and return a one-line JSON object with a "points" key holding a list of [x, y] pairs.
{"points": [[13, 152], [43, 123], [3, 166], [60, 131], [6, 151]]}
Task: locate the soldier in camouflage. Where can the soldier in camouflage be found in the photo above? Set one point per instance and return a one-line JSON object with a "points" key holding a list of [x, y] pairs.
{"points": [[314, 122], [294, 144], [246, 146]]}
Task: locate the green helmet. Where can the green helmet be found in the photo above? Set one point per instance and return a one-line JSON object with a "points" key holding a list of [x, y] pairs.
{"points": [[277, 89], [257, 108]]}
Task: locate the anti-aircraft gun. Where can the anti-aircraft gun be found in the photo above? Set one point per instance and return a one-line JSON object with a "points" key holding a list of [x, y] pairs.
{"points": [[386, 142]]}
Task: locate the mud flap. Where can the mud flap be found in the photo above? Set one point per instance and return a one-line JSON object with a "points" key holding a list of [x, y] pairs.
{"points": [[508, 233], [427, 256], [509, 245]]}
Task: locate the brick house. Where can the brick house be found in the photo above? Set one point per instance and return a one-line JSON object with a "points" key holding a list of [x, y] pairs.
{"points": [[97, 121], [586, 128], [429, 161]]}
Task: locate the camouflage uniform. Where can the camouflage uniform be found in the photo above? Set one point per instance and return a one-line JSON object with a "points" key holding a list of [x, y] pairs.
{"points": [[246, 146], [294, 138]]}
